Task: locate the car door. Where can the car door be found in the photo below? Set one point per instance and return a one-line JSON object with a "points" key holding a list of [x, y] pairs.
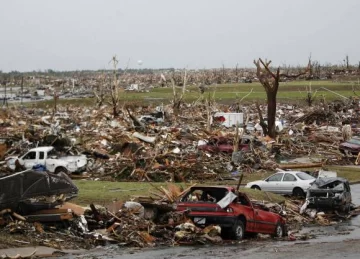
{"points": [[287, 184], [262, 222], [272, 183], [29, 159], [41, 159]]}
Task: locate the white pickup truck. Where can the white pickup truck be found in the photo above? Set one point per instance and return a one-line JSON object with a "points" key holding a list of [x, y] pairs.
{"points": [[46, 156]]}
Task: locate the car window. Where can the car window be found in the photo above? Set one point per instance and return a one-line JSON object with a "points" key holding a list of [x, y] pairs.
{"points": [[205, 195], [30, 155], [275, 177], [304, 176], [194, 196], [52, 153], [289, 178], [354, 141], [41, 155]]}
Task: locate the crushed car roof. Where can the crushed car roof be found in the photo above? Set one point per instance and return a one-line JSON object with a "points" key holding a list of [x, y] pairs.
{"points": [[323, 181]]}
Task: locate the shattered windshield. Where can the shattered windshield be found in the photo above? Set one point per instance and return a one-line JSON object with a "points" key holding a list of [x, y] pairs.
{"points": [[304, 176]]}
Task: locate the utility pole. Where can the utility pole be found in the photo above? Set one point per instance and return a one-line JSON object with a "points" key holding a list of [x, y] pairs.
{"points": [[5, 100], [22, 88]]}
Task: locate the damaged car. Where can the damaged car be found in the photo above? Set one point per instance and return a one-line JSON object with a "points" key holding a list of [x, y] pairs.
{"points": [[350, 147], [50, 159], [226, 145], [329, 193], [30, 191], [231, 210]]}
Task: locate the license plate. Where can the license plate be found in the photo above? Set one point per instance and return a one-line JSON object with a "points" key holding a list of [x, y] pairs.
{"points": [[200, 221]]}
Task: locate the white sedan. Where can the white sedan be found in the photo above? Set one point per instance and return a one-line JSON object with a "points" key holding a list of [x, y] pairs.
{"points": [[285, 182]]}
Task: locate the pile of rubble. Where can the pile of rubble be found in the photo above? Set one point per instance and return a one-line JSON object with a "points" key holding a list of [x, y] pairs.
{"points": [[148, 144], [154, 144], [146, 221], [63, 227]]}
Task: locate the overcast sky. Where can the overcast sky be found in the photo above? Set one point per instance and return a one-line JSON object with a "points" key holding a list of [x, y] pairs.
{"points": [[85, 34]]}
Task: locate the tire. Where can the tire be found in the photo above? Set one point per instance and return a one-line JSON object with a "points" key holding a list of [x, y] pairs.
{"points": [[61, 169], [298, 192], [238, 230], [279, 231], [255, 187]]}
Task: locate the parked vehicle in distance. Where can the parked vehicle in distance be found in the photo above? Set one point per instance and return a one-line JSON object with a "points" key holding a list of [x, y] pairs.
{"points": [[350, 147], [329, 193], [223, 144], [232, 211], [47, 157], [293, 183], [61, 116]]}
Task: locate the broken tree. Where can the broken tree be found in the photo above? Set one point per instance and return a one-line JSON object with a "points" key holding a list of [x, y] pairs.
{"points": [[115, 89], [270, 82]]}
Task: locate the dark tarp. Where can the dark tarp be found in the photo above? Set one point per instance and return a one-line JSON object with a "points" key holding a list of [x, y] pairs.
{"points": [[17, 189]]}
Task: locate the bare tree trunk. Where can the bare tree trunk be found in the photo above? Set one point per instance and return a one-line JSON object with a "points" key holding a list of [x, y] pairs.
{"points": [[236, 74], [178, 99], [271, 113], [56, 97]]}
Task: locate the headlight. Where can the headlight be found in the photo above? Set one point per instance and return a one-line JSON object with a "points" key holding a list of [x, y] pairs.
{"points": [[230, 210]]}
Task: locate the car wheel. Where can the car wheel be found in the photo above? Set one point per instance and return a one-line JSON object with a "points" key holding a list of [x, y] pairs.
{"points": [[279, 231], [298, 192], [238, 230], [61, 169], [255, 187]]}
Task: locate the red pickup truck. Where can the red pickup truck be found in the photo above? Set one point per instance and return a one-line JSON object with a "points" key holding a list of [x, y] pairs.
{"points": [[232, 211]]}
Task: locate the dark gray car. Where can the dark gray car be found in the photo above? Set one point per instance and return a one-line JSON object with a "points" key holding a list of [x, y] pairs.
{"points": [[331, 193]]}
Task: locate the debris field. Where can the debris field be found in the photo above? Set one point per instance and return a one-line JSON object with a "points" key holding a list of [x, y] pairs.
{"points": [[154, 144]]}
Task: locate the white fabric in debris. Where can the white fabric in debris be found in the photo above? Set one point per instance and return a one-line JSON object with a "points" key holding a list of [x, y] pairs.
{"points": [[229, 198]]}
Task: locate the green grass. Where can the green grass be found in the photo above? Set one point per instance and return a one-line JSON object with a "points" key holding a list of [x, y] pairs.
{"points": [[104, 192], [294, 91], [350, 173]]}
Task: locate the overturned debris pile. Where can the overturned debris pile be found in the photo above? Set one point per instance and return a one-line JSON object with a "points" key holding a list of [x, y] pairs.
{"points": [[146, 143]]}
